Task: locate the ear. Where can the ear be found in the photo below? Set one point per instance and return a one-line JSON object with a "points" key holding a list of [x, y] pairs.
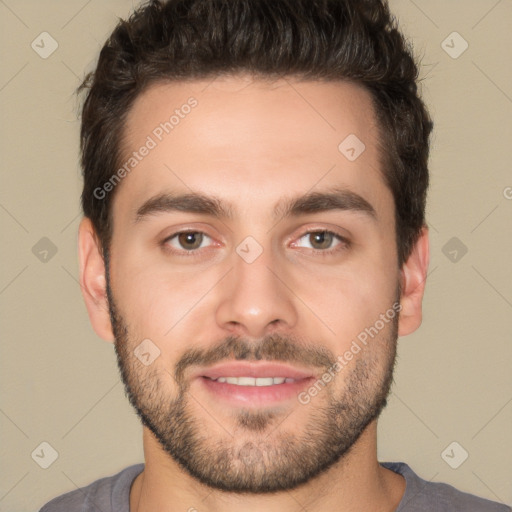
{"points": [[413, 275], [92, 280]]}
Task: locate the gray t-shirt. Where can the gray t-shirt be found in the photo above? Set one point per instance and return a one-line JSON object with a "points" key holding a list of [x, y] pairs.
{"points": [[112, 494]]}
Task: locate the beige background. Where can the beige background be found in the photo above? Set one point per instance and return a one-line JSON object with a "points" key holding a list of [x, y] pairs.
{"points": [[59, 381]]}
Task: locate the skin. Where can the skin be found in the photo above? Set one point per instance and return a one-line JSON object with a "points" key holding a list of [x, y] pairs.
{"points": [[253, 143]]}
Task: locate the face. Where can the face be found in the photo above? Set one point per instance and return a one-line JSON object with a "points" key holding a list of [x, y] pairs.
{"points": [[247, 246]]}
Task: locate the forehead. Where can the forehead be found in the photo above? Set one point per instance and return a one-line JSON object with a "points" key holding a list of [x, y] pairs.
{"points": [[251, 141]]}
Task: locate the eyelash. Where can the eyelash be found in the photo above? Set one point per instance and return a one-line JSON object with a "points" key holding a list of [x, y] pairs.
{"points": [[343, 245]]}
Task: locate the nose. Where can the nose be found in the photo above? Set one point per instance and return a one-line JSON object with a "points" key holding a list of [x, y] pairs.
{"points": [[256, 298]]}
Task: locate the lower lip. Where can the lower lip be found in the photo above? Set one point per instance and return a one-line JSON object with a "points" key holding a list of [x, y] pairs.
{"points": [[255, 395]]}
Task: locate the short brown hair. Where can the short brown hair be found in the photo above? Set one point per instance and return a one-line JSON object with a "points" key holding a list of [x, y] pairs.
{"points": [[355, 40]]}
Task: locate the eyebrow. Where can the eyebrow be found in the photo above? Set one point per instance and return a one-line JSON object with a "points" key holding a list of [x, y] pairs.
{"points": [[312, 202]]}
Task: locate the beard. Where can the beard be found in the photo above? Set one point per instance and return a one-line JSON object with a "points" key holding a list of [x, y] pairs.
{"points": [[260, 456]]}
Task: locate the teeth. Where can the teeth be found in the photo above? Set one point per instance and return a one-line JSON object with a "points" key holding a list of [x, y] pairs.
{"points": [[252, 381]]}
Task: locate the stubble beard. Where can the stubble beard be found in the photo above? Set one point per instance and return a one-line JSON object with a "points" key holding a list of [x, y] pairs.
{"points": [[258, 456]]}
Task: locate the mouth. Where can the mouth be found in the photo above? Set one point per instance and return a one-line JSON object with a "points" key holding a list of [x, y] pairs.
{"points": [[253, 381], [253, 384]]}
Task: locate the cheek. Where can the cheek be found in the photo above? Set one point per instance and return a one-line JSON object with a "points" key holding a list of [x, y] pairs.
{"points": [[157, 298], [347, 298]]}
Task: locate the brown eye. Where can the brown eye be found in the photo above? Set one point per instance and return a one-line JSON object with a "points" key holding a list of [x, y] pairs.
{"points": [[321, 239], [190, 240], [186, 242], [322, 242]]}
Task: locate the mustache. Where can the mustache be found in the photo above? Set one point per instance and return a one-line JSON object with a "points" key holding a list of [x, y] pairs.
{"points": [[271, 348]]}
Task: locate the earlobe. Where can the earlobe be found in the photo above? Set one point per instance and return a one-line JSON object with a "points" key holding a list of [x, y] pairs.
{"points": [[413, 276], [92, 280]]}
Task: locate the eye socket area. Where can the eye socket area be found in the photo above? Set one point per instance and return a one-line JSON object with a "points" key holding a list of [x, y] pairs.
{"points": [[193, 242], [325, 238], [181, 238], [321, 237]]}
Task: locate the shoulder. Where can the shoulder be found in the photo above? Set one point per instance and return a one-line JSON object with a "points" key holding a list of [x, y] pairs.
{"points": [[99, 495], [424, 496]]}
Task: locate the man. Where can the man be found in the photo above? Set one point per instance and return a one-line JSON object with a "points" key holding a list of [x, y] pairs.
{"points": [[254, 242]]}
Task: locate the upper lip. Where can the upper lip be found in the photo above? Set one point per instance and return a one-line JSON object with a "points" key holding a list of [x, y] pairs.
{"points": [[246, 369]]}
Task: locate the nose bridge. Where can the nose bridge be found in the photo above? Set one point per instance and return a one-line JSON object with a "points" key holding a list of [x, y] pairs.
{"points": [[256, 298]]}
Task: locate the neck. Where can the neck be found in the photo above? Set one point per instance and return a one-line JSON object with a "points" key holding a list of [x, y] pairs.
{"points": [[356, 483]]}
